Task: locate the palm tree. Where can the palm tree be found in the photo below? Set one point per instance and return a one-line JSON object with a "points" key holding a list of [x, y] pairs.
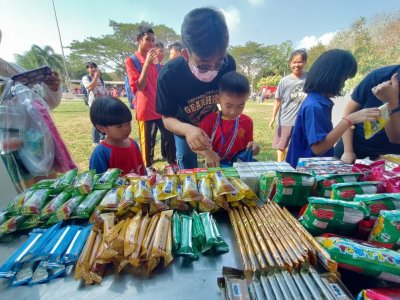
{"points": [[37, 57]]}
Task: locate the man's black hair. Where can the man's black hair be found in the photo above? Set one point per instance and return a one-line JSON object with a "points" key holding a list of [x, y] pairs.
{"points": [[108, 111], [142, 30], [234, 83], [204, 32], [330, 71], [91, 64], [176, 46]]}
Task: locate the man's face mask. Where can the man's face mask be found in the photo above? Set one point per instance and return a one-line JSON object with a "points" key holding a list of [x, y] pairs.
{"points": [[206, 73]]}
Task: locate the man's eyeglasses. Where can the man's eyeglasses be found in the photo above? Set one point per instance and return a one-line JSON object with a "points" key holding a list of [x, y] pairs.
{"points": [[205, 68]]}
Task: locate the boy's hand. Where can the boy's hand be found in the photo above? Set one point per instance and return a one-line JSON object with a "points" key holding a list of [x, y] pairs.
{"points": [[388, 91], [151, 56], [348, 157], [366, 114], [212, 159], [197, 139], [255, 149]]}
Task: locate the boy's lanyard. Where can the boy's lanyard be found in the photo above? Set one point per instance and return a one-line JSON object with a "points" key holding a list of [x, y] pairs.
{"points": [[233, 132]]}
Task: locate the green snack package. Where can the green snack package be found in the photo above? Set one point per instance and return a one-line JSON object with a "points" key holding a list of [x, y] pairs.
{"points": [[84, 182], [87, 206], [31, 222], [378, 202], [64, 181], [324, 182], [386, 229], [367, 259], [43, 184], [15, 206], [186, 247], [347, 191], [12, 224], [221, 246], [293, 188], [4, 216], [54, 205], [210, 238], [324, 215], [199, 237], [65, 210], [35, 202], [107, 180], [111, 200], [176, 232]]}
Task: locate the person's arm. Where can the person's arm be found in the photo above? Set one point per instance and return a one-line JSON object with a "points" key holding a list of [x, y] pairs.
{"points": [[275, 109], [150, 57], [348, 155], [92, 85], [388, 92], [196, 138], [212, 159], [366, 114]]}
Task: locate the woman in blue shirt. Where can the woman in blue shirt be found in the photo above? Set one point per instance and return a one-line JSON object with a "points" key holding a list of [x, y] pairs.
{"points": [[313, 133]]}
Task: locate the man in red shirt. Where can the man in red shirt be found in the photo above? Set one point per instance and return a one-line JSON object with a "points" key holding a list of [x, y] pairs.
{"points": [[144, 84]]}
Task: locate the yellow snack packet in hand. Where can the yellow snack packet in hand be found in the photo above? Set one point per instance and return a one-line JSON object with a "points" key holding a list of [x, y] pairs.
{"points": [[373, 127]]}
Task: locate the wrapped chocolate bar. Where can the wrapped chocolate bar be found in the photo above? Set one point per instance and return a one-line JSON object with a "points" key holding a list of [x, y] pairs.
{"points": [[54, 205], [199, 237], [64, 181], [71, 255], [87, 206], [176, 231], [186, 247], [35, 202], [84, 257], [132, 234], [111, 200], [134, 259], [107, 180], [149, 236], [220, 246], [161, 234], [84, 182]]}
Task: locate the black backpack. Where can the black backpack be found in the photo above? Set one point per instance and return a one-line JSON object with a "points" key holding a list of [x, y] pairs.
{"points": [[85, 92]]}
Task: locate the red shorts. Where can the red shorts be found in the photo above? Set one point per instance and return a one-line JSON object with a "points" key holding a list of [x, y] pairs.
{"points": [[282, 137]]}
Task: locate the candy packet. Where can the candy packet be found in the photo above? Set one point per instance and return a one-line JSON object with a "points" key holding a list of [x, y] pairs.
{"points": [[64, 181], [35, 202], [111, 200], [206, 202], [84, 182], [127, 199], [87, 206], [132, 234], [142, 191], [54, 204], [373, 127], [189, 189], [107, 180], [222, 184], [168, 189], [347, 191], [156, 205]]}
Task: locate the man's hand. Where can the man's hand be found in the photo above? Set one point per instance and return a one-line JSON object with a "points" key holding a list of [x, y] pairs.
{"points": [[151, 56], [388, 91], [197, 139], [212, 159]]}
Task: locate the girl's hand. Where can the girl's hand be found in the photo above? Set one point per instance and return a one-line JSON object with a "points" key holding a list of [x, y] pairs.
{"points": [[212, 159], [348, 157], [197, 139], [255, 149], [366, 114]]}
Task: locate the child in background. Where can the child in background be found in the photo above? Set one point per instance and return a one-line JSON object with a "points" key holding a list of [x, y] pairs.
{"points": [[289, 96], [313, 133], [230, 131], [113, 118]]}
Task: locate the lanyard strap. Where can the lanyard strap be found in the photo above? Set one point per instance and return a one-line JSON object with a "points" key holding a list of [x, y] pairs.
{"points": [[234, 130]]}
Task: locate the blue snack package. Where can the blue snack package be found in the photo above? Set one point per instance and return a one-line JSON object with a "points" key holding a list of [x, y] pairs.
{"points": [[76, 246]]}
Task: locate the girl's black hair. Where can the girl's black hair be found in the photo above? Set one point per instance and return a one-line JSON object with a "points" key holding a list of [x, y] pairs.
{"points": [[302, 52], [234, 83], [330, 71], [108, 111], [204, 32]]}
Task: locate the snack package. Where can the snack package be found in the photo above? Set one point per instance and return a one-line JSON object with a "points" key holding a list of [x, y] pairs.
{"points": [[84, 182], [373, 127], [107, 180], [362, 257], [386, 229], [347, 191], [142, 191], [178, 203], [12, 224], [293, 188], [176, 231], [186, 247], [65, 210], [132, 234], [378, 202], [156, 205], [111, 200], [35, 202], [15, 206], [189, 189], [54, 205], [71, 255], [379, 294], [168, 188], [87, 206], [324, 182], [220, 201], [324, 215], [127, 199], [64, 181], [393, 185], [368, 169], [222, 184], [206, 202], [199, 237]]}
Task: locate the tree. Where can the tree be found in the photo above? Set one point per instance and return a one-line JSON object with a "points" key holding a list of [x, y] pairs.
{"points": [[313, 53], [37, 57], [277, 59]]}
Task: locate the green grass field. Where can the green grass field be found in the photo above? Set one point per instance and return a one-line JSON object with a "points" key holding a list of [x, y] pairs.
{"points": [[73, 123]]}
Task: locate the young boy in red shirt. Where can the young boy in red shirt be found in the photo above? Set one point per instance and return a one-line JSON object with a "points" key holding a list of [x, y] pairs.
{"points": [[230, 131], [113, 118]]}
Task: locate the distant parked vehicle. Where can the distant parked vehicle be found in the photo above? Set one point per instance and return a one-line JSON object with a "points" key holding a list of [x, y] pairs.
{"points": [[267, 92]]}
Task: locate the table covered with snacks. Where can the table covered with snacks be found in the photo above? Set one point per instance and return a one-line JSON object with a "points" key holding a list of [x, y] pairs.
{"points": [[206, 233]]}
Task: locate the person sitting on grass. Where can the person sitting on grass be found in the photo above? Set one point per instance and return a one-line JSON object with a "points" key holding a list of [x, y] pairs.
{"points": [[113, 118], [313, 133], [230, 131]]}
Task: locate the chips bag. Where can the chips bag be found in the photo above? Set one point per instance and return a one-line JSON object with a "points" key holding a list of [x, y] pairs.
{"points": [[324, 183], [222, 184], [293, 188], [347, 191], [364, 258], [379, 202], [324, 215], [387, 229], [373, 127], [206, 202], [142, 191]]}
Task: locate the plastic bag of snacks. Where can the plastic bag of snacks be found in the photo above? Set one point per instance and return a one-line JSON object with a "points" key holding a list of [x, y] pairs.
{"points": [[142, 190], [293, 188], [324, 182], [386, 229], [190, 192], [347, 191], [373, 127], [324, 215], [168, 188], [378, 202], [362, 257], [127, 199], [111, 200]]}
